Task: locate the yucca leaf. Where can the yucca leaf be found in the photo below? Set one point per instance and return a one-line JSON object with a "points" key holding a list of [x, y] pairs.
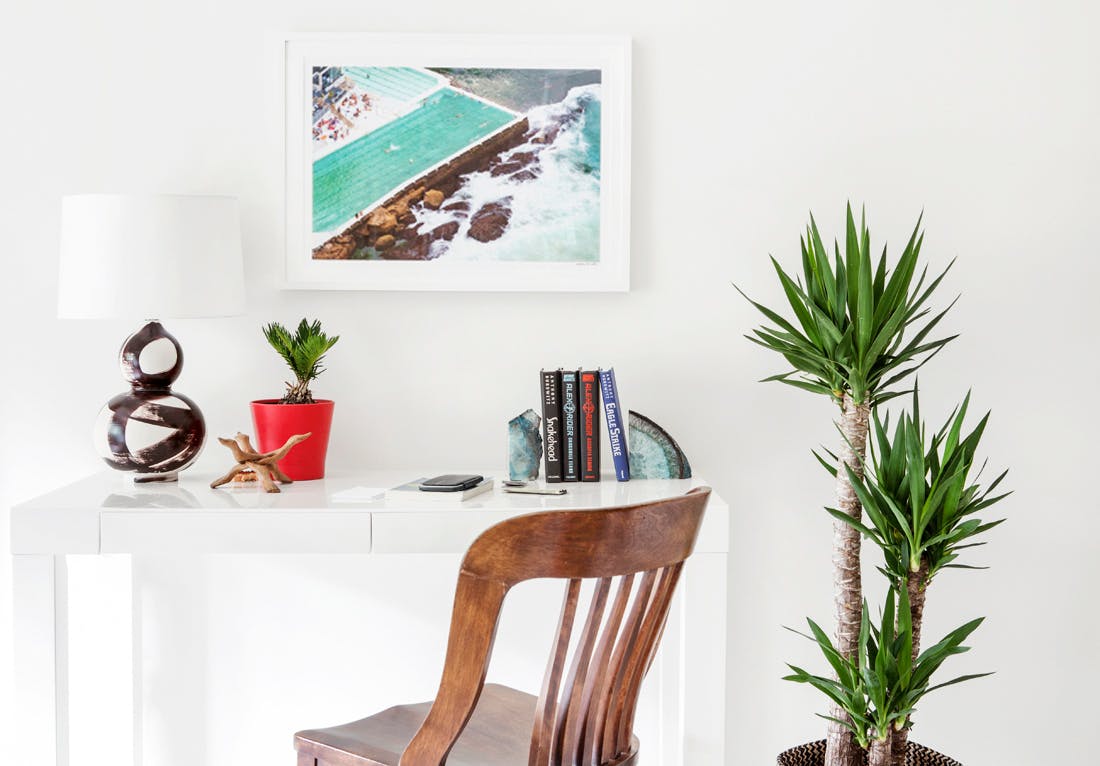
{"points": [[880, 276], [832, 656], [798, 301], [905, 634], [830, 467], [817, 388], [921, 297], [775, 317], [960, 679], [897, 288], [912, 348], [956, 428], [862, 528], [865, 311], [852, 266], [883, 398]]}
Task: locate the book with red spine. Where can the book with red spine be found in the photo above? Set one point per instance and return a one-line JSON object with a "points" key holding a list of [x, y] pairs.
{"points": [[589, 397]]}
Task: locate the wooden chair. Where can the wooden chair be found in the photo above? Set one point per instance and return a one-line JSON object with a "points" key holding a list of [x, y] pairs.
{"points": [[585, 714]]}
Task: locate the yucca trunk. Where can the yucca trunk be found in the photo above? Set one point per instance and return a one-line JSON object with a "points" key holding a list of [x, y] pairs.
{"points": [[915, 585], [880, 753], [842, 749]]}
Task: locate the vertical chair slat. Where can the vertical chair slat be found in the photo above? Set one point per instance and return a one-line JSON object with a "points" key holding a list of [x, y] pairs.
{"points": [[573, 707], [645, 649], [542, 736], [623, 649], [598, 681]]}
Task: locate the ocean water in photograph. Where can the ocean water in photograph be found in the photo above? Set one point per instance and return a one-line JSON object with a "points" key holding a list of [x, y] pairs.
{"points": [[554, 207]]}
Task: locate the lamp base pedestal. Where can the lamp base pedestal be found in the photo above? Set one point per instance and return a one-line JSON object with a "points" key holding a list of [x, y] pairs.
{"points": [[154, 478]]}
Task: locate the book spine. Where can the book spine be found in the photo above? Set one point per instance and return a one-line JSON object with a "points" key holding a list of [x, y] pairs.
{"points": [[590, 426], [570, 427], [551, 423], [616, 434]]}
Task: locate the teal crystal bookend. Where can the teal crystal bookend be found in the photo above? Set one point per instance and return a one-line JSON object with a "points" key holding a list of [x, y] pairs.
{"points": [[653, 453], [524, 446]]}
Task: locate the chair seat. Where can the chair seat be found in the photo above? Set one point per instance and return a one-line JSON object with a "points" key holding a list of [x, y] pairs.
{"points": [[498, 734]]}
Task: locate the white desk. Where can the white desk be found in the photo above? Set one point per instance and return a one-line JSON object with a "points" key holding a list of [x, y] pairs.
{"points": [[106, 514]]}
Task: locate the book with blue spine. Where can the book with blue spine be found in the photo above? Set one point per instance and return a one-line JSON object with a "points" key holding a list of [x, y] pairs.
{"points": [[571, 442], [616, 429]]}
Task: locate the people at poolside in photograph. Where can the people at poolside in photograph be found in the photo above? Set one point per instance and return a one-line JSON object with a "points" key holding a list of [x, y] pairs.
{"points": [[343, 110]]}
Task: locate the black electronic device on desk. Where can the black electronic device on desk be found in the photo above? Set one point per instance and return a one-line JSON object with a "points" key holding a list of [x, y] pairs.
{"points": [[451, 482], [443, 491]]}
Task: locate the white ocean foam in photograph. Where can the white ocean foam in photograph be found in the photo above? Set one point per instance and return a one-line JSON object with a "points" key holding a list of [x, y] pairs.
{"points": [[555, 217]]}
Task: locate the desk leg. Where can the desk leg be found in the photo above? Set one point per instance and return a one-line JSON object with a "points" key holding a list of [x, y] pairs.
{"points": [[693, 667], [40, 611]]}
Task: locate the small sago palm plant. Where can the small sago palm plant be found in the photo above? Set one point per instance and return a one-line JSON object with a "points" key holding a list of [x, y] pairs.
{"points": [[859, 328], [303, 351], [921, 503]]}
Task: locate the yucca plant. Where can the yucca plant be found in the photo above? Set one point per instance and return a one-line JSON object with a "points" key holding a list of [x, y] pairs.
{"points": [[859, 328], [303, 351], [879, 687], [921, 502]]}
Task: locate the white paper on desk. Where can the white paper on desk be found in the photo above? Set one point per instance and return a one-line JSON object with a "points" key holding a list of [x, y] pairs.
{"points": [[358, 495]]}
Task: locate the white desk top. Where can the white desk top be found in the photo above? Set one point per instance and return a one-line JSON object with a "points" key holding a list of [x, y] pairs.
{"points": [[107, 513]]}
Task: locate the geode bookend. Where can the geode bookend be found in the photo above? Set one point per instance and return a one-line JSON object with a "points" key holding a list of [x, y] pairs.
{"points": [[653, 453], [524, 446]]}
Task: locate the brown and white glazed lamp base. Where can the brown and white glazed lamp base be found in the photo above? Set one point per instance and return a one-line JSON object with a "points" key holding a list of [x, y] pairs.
{"points": [[150, 430]]}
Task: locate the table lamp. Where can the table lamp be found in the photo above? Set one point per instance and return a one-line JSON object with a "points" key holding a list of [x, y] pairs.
{"points": [[150, 257]]}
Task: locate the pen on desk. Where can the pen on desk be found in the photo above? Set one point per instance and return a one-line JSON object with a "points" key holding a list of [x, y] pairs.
{"points": [[534, 490]]}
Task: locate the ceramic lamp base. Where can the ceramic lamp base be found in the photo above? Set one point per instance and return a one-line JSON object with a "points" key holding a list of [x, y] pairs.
{"points": [[150, 430]]}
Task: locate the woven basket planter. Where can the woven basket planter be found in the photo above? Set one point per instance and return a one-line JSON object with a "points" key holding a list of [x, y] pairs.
{"points": [[813, 754]]}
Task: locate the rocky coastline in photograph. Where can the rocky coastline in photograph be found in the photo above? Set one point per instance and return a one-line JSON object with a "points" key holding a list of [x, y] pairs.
{"points": [[407, 226]]}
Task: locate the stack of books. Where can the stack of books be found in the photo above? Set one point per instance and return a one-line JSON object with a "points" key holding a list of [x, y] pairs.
{"points": [[573, 403]]}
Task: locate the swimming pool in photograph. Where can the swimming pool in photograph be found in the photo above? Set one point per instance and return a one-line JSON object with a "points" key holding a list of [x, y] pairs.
{"points": [[403, 83], [363, 172]]}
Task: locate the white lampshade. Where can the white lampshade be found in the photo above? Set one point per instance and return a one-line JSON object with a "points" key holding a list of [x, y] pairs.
{"points": [[150, 256]]}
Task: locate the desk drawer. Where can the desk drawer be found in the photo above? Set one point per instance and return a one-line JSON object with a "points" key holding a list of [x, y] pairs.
{"points": [[265, 531]]}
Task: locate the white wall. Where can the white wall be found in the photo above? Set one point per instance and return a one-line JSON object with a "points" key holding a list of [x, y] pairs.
{"points": [[745, 115]]}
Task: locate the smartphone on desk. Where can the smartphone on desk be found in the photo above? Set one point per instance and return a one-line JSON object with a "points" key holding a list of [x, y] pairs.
{"points": [[451, 482]]}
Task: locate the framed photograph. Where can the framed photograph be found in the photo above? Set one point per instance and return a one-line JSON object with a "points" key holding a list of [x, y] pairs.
{"points": [[451, 162]]}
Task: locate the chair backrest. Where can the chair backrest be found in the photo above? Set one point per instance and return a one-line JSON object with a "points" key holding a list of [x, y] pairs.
{"points": [[585, 713]]}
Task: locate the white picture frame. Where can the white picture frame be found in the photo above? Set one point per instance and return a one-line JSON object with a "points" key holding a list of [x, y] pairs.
{"points": [[608, 271]]}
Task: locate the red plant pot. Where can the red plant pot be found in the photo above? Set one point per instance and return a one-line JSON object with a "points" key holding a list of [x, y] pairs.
{"points": [[276, 422]]}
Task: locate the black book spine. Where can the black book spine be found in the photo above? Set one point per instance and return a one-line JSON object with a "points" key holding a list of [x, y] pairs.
{"points": [[590, 425], [570, 409], [551, 423]]}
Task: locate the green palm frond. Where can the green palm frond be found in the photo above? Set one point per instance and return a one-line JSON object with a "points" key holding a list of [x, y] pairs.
{"points": [[920, 498], [879, 687], [303, 351], [858, 327]]}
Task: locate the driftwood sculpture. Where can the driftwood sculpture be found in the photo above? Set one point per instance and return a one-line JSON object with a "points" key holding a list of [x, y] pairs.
{"points": [[263, 466]]}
